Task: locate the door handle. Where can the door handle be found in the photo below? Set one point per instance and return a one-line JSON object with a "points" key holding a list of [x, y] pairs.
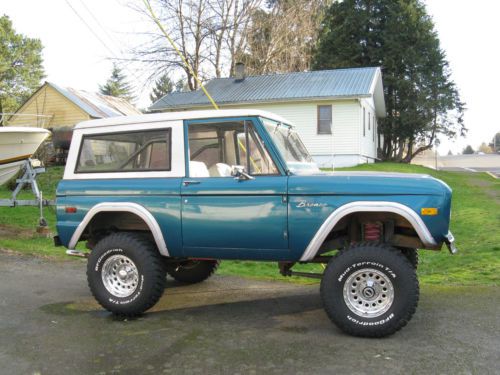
{"points": [[190, 182]]}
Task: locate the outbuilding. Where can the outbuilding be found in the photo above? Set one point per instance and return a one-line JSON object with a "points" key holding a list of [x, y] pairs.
{"points": [[336, 111]]}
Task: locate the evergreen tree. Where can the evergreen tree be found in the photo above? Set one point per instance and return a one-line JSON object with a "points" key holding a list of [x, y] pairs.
{"points": [[495, 143], [117, 85], [21, 67], [468, 150], [163, 86], [181, 85], [422, 101]]}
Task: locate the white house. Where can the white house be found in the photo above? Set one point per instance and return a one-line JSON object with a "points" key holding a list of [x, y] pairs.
{"points": [[334, 111]]}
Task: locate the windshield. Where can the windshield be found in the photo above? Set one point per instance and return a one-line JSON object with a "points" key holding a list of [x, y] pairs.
{"points": [[290, 147]]}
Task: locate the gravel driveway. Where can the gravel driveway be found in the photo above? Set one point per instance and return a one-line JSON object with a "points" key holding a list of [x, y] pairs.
{"points": [[49, 324]]}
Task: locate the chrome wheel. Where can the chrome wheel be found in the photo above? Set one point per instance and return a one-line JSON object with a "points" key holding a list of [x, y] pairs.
{"points": [[120, 276], [368, 293]]}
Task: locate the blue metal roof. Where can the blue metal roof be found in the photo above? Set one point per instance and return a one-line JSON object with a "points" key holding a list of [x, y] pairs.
{"points": [[352, 82]]}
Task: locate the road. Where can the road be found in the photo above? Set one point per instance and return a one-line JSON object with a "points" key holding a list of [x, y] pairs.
{"points": [[49, 324], [468, 163]]}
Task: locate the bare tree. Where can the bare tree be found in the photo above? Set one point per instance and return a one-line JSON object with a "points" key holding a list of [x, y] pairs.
{"points": [[281, 37], [208, 34]]}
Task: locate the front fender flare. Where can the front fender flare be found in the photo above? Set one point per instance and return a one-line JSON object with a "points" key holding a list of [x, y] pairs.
{"points": [[367, 206], [133, 208]]}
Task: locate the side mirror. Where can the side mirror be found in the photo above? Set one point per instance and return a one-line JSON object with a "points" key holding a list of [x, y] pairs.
{"points": [[238, 172]]}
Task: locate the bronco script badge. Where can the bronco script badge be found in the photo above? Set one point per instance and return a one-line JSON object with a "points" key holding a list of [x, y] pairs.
{"points": [[306, 204]]}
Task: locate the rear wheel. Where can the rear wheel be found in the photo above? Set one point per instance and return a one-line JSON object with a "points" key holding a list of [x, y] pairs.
{"points": [[125, 273], [370, 290], [192, 271]]}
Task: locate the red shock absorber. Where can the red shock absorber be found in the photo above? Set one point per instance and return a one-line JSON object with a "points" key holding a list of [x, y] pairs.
{"points": [[372, 231]]}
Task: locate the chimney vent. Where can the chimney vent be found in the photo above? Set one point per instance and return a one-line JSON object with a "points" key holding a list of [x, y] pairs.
{"points": [[239, 71]]}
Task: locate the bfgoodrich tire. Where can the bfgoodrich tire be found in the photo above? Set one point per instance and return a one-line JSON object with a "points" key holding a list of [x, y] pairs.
{"points": [[125, 273], [370, 290], [192, 271]]}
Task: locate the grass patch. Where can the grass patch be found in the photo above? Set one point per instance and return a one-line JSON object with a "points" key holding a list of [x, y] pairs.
{"points": [[17, 224], [475, 223]]}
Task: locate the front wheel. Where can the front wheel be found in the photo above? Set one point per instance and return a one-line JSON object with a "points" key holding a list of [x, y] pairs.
{"points": [[125, 273], [370, 290]]}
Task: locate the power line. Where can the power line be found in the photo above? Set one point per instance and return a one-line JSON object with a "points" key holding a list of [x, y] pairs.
{"points": [[111, 38], [90, 28], [96, 35]]}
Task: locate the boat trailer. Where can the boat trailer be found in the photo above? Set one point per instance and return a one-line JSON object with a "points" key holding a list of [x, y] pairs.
{"points": [[29, 178]]}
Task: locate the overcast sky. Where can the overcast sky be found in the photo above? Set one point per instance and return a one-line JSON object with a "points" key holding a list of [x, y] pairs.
{"points": [[75, 57]]}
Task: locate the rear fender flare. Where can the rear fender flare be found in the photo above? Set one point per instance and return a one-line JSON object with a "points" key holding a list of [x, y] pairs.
{"points": [[133, 208]]}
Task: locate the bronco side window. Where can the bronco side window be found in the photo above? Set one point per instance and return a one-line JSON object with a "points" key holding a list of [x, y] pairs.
{"points": [[215, 148], [147, 150]]}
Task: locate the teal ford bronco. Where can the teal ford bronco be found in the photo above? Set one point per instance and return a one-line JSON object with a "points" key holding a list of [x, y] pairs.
{"points": [[178, 192]]}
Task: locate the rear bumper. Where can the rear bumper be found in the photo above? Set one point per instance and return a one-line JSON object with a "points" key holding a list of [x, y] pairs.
{"points": [[450, 242]]}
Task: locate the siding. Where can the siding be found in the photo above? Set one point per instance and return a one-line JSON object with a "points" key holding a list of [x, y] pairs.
{"points": [[303, 115], [48, 101]]}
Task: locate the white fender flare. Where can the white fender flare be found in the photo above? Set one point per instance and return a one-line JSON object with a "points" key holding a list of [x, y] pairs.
{"points": [[367, 206], [133, 208]]}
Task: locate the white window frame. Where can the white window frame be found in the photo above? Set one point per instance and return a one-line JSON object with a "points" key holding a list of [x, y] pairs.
{"points": [[177, 164]]}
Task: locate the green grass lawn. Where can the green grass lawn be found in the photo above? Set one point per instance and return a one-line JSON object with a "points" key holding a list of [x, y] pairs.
{"points": [[475, 224]]}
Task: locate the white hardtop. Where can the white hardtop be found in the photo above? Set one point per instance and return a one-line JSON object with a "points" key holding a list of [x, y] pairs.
{"points": [[183, 115]]}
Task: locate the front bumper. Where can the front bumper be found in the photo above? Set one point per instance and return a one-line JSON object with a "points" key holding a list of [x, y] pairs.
{"points": [[450, 242]]}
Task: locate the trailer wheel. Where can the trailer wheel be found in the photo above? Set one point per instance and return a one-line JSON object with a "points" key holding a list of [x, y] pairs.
{"points": [[370, 290], [125, 273]]}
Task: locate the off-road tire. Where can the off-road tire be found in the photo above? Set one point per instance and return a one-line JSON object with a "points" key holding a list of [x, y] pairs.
{"points": [[411, 255], [369, 261], [149, 270], [192, 271]]}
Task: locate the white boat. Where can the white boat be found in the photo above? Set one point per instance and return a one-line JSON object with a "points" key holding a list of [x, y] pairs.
{"points": [[16, 145]]}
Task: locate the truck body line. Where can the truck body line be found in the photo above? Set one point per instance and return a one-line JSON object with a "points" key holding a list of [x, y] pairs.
{"points": [[367, 206], [133, 208]]}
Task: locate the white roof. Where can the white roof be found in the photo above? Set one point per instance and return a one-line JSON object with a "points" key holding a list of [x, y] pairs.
{"points": [[183, 115]]}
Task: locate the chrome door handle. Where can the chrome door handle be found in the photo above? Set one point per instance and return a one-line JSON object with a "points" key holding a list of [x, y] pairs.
{"points": [[190, 182]]}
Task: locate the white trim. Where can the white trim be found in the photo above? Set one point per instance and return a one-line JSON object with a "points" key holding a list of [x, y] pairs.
{"points": [[178, 168], [177, 116], [134, 208], [367, 206], [376, 77], [205, 107]]}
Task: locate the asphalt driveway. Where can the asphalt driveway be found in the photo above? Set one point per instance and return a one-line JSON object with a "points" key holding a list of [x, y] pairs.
{"points": [[49, 324]]}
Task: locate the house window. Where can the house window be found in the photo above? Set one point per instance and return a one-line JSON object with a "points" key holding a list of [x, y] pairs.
{"points": [[364, 122], [324, 119], [369, 121]]}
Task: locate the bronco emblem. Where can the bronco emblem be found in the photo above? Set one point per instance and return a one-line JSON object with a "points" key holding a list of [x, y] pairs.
{"points": [[303, 204]]}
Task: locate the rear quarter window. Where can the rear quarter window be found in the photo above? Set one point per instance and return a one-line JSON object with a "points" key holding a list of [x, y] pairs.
{"points": [[148, 150]]}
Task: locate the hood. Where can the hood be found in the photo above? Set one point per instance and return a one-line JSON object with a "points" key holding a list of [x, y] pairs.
{"points": [[366, 183]]}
